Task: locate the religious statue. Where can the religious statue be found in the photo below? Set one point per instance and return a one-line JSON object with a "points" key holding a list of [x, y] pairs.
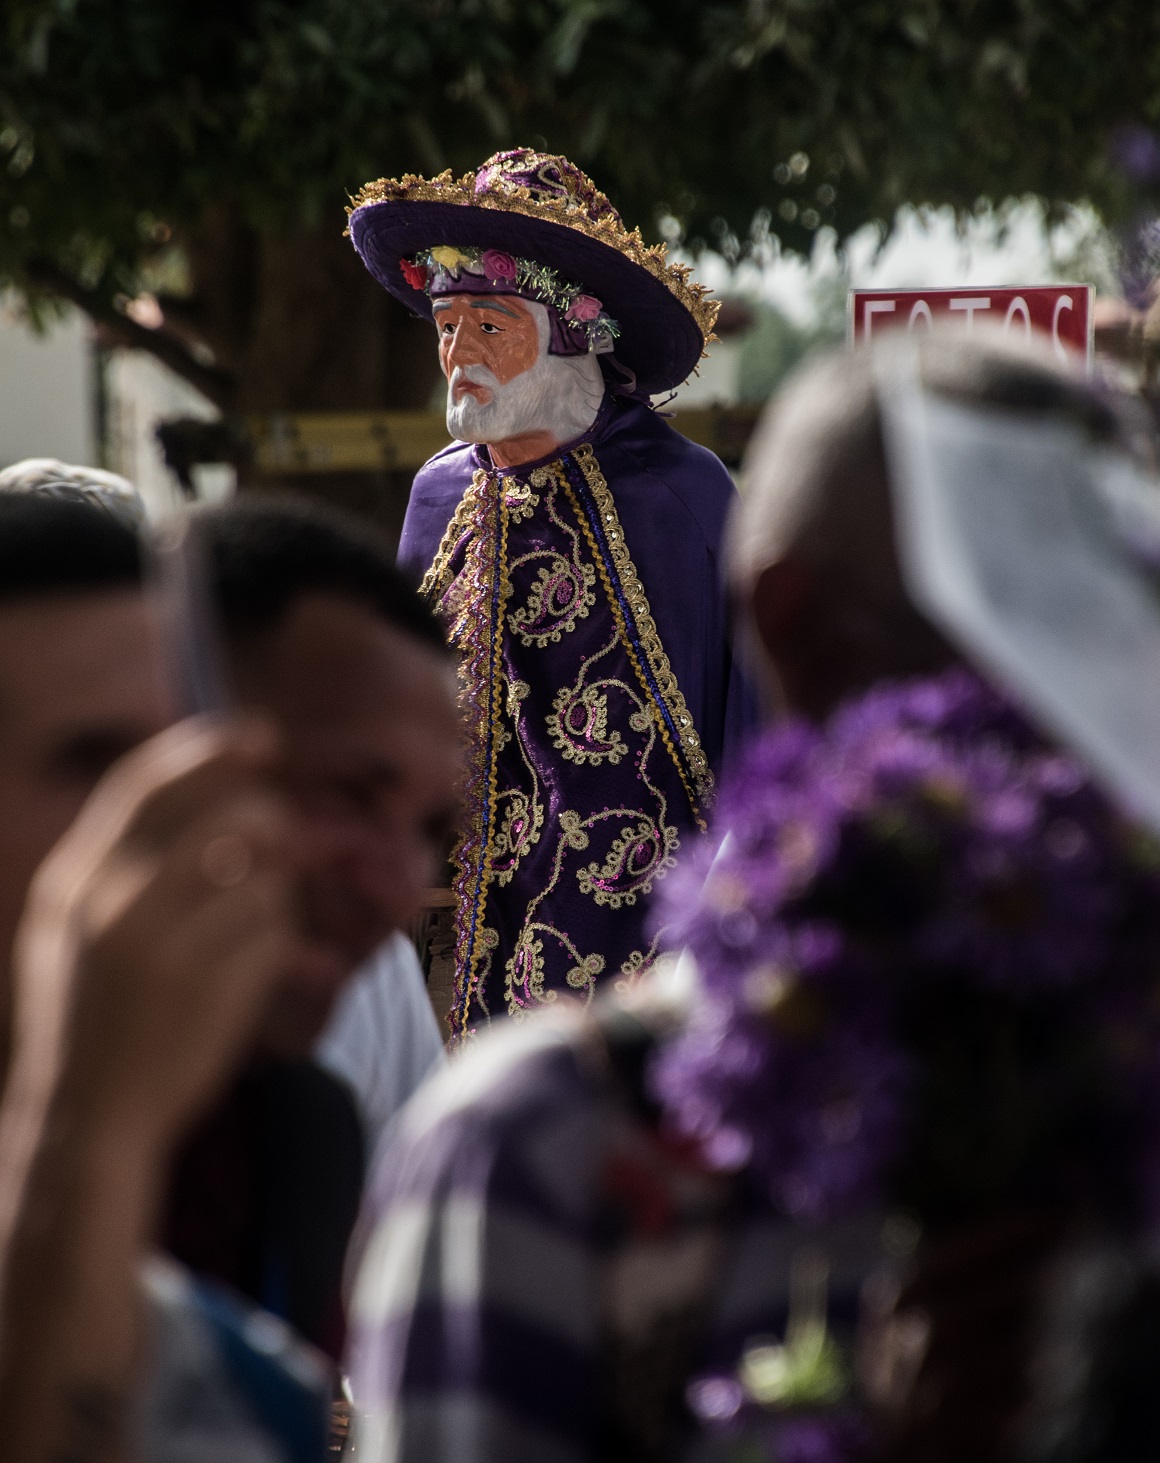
{"points": [[570, 539]]}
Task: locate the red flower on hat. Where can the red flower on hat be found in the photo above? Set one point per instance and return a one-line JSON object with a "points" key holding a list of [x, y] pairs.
{"points": [[498, 266], [584, 308], [414, 274]]}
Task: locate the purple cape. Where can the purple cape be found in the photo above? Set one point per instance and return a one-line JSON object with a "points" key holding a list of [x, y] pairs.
{"points": [[585, 596]]}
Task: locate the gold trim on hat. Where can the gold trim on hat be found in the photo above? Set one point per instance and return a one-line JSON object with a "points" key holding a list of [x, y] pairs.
{"points": [[517, 198]]}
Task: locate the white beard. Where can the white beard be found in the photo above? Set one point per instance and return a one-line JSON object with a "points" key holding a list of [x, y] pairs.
{"points": [[558, 394]]}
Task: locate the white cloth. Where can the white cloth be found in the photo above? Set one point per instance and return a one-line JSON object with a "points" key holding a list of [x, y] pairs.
{"points": [[1036, 550], [382, 1037]]}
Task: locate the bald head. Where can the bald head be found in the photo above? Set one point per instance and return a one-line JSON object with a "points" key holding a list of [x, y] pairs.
{"points": [[813, 556]]}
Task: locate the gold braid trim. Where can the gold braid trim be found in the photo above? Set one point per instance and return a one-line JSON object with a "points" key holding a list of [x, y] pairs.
{"points": [[476, 631], [700, 794], [608, 230], [439, 575]]}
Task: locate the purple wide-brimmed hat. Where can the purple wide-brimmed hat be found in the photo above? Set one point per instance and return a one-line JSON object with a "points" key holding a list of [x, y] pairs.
{"points": [[539, 210]]}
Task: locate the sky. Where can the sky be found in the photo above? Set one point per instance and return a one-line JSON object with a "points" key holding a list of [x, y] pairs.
{"points": [[1012, 247]]}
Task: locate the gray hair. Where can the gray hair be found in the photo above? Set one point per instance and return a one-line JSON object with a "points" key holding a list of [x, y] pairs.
{"points": [[815, 473], [45, 477]]}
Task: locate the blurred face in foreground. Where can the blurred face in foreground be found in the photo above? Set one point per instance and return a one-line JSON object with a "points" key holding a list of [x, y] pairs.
{"points": [[370, 735], [80, 685], [369, 728]]}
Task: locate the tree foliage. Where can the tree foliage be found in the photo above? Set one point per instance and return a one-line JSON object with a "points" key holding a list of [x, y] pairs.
{"points": [[128, 126]]}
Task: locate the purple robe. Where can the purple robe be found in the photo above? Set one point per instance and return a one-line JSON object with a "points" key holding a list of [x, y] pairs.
{"points": [[584, 596]]}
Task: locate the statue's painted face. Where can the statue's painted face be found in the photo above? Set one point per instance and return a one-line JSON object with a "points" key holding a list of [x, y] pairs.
{"points": [[498, 332], [504, 387]]}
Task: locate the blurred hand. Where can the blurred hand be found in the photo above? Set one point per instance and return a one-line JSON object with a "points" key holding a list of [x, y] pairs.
{"points": [[155, 932]]}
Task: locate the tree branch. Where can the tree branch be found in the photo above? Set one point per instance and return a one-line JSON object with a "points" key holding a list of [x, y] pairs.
{"points": [[219, 386]]}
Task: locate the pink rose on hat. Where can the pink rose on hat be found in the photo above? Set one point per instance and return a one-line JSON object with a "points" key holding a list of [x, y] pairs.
{"points": [[584, 308], [498, 266]]}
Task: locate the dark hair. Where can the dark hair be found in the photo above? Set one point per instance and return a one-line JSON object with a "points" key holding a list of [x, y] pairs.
{"points": [[62, 545], [266, 553]]}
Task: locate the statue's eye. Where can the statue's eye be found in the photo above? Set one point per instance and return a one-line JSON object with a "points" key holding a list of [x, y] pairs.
{"points": [[447, 328], [489, 329]]}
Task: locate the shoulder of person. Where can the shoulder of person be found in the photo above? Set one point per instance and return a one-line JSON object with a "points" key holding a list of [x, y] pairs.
{"points": [[505, 1072], [524, 1082], [435, 493], [523, 1108], [672, 467], [444, 477]]}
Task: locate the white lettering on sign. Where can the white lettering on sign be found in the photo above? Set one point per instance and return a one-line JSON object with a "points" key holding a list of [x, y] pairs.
{"points": [[1018, 306], [872, 308], [969, 306], [1060, 313], [1063, 303]]}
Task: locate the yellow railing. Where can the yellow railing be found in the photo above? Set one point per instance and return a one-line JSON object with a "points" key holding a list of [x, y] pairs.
{"points": [[368, 441]]}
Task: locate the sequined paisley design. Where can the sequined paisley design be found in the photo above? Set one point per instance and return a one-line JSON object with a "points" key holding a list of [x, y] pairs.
{"points": [[585, 769]]}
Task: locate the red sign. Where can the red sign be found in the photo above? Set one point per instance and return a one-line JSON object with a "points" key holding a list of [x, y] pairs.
{"points": [[1062, 312]]}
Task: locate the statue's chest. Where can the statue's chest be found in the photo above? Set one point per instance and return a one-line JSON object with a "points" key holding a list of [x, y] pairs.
{"points": [[551, 571], [583, 764], [559, 652]]}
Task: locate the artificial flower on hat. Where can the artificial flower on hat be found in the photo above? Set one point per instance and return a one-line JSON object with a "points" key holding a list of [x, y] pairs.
{"points": [[579, 322], [531, 210]]}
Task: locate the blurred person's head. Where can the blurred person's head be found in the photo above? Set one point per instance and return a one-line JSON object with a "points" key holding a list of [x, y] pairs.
{"points": [[322, 633], [325, 636], [813, 557], [80, 682], [48, 477]]}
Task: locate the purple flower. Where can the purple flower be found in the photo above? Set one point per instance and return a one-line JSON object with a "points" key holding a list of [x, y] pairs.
{"points": [[1136, 151], [715, 1400], [925, 841], [1139, 261], [815, 1112], [839, 1437], [814, 1440]]}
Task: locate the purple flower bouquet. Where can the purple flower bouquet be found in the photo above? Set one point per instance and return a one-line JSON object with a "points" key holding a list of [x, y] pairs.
{"points": [[929, 956]]}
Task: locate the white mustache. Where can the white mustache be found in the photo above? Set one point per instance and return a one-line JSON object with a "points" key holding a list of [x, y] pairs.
{"points": [[478, 376]]}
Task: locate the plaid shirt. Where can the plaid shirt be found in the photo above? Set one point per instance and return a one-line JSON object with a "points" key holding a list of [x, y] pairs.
{"points": [[540, 1273]]}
